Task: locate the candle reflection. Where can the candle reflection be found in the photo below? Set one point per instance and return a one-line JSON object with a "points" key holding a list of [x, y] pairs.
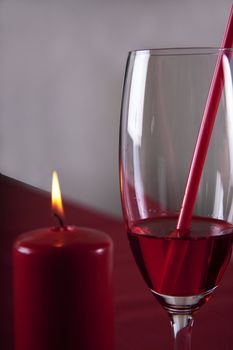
{"points": [[218, 198]]}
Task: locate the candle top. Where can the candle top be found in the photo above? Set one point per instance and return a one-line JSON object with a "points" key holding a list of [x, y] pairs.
{"points": [[62, 237]]}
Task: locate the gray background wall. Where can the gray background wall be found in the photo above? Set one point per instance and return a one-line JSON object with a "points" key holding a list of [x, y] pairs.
{"points": [[61, 74]]}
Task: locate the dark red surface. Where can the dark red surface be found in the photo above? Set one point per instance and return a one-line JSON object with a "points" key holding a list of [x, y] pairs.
{"points": [[140, 322], [63, 290]]}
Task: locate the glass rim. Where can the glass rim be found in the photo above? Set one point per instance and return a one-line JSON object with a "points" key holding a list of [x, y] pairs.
{"points": [[181, 51]]}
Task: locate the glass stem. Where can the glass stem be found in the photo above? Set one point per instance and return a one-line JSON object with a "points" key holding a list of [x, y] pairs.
{"points": [[182, 329]]}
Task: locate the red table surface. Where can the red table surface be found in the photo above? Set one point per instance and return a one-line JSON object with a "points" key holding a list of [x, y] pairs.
{"points": [[140, 322]]}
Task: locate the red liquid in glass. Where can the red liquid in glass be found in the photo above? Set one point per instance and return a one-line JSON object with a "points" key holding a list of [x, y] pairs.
{"points": [[185, 266]]}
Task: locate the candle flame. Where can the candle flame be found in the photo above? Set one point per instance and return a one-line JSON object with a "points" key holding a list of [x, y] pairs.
{"points": [[57, 205]]}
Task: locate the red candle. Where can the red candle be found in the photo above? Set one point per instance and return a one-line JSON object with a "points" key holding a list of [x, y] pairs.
{"points": [[63, 289]]}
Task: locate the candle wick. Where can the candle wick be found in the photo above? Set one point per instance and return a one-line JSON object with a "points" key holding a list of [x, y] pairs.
{"points": [[59, 220]]}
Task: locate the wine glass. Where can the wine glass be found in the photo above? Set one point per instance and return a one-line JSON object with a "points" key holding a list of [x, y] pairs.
{"points": [[165, 93]]}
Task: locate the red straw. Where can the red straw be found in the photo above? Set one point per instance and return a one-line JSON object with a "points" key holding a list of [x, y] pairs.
{"points": [[204, 134]]}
